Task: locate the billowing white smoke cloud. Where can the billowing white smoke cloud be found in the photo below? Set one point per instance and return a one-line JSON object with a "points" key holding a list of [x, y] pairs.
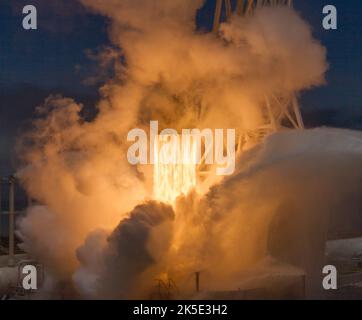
{"points": [[112, 265], [286, 198], [79, 173], [185, 79]]}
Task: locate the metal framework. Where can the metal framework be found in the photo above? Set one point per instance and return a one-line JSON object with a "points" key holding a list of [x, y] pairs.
{"points": [[8, 247], [278, 111], [242, 7], [11, 219], [165, 290]]}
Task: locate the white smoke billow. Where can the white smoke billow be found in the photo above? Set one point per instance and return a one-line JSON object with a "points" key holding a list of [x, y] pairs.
{"points": [[78, 170], [113, 271]]}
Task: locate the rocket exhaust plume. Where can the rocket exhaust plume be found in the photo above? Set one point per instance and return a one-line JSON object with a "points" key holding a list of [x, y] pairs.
{"points": [[174, 170], [103, 224]]}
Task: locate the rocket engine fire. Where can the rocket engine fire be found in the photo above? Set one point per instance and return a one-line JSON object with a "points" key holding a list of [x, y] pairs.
{"points": [[173, 178]]}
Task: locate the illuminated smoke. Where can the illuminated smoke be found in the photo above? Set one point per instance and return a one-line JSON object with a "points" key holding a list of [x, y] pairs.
{"points": [[79, 172], [114, 270], [174, 170]]}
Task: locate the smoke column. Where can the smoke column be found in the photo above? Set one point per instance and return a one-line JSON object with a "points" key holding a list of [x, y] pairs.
{"points": [[126, 253], [78, 171]]}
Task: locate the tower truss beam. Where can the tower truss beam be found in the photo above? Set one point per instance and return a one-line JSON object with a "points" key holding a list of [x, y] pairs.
{"points": [[278, 111], [243, 7]]}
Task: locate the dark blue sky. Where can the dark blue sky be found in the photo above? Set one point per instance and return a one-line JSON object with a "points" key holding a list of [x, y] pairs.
{"points": [[53, 59]]}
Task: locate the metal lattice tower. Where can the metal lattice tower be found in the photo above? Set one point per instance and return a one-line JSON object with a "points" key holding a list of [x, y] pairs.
{"points": [[242, 7], [279, 111]]}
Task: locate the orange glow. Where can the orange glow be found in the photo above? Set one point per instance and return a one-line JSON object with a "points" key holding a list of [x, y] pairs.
{"points": [[174, 170]]}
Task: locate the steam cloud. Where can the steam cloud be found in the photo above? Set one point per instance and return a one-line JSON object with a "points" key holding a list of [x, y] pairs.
{"points": [[114, 269], [78, 170]]}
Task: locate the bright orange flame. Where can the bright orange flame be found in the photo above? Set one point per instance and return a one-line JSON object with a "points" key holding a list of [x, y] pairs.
{"points": [[175, 167]]}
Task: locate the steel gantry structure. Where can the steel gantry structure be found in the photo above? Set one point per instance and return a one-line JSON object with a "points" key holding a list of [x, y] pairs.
{"points": [[279, 111], [242, 7]]}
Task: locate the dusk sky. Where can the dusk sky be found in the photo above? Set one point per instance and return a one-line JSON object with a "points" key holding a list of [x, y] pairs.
{"points": [[56, 59]]}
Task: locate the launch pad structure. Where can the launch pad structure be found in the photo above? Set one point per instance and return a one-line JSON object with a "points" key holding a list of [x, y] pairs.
{"points": [[243, 7], [279, 111], [9, 251]]}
